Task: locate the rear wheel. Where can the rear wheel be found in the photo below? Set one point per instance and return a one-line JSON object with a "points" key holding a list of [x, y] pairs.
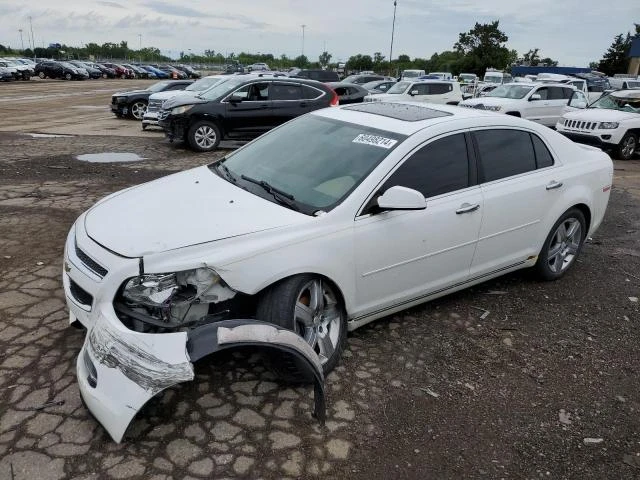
{"points": [[309, 306], [68, 76], [628, 146], [41, 75], [138, 109], [562, 246], [204, 136]]}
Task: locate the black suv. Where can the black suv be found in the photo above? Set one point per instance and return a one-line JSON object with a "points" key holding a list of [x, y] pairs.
{"points": [[319, 75], [244, 106], [134, 104]]}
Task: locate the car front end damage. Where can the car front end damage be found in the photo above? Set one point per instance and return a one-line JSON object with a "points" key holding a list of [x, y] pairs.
{"points": [[145, 330], [175, 126]]}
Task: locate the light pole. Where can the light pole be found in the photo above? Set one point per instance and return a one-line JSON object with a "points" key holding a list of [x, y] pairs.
{"points": [[140, 47], [21, 40], [303, 27], [393, 29], [33, 39]]}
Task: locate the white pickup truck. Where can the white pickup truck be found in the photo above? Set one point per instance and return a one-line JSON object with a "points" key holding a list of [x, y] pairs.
{"points": [[612, 122], [539, 102]]}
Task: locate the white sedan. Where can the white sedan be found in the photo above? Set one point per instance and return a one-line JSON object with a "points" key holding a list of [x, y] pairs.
{"points": [[335, 219]]}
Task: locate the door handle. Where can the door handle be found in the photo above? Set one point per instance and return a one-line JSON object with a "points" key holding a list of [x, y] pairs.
{"points": [[553, 185], [467, 208]]}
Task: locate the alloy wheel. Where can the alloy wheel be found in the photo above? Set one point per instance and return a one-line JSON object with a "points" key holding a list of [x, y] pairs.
{"points": [[205, 137], [628, 146], [564, 245], [138, 110], [318, 318]]}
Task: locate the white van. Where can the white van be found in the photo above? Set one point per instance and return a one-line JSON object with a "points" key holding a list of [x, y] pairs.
{"points": [[412, 74], [497, 76]]}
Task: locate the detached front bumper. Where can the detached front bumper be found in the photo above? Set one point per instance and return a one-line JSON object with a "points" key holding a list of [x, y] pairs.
{"points": [[119, 370], [175, 126]]}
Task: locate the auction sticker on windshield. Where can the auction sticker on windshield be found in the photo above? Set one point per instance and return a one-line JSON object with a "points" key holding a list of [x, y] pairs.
{"points": [[375, 140]]}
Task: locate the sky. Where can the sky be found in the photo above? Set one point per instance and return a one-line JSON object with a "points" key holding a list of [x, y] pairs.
{"points": [[574, 32]]}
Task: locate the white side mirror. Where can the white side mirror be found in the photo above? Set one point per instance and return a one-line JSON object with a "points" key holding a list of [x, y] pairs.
{"points": [[402, 198], [413, 92], [535, 97]]}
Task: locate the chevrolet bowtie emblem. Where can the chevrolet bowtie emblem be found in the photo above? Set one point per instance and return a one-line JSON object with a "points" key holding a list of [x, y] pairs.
{"points": [[67, 267]]}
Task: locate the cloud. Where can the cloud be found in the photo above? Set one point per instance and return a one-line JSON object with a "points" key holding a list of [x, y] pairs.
{"points": [[111, 4], [175, 10]]}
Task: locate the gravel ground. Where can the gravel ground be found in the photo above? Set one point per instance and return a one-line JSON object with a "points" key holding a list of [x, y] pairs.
{"points": [[544, 386]]}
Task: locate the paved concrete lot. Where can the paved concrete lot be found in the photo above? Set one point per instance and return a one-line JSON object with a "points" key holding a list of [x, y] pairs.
{"points": [[545, 386]]}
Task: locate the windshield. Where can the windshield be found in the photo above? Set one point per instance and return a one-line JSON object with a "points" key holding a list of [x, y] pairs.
{"points": [[399, 87], [493, 78], [411, 74], [317, 160], [612, 102], [223, 88], [158, 87], [204, 84], [465, 76], [510, 91]]}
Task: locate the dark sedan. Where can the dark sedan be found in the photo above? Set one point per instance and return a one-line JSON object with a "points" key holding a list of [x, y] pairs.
{"points": [[134, 104], [93, 72], [52, 69], [349, 92]]}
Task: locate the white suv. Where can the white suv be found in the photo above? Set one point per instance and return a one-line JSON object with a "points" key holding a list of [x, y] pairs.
{"points": [[433, 91], [612, 122], [539, 102]]}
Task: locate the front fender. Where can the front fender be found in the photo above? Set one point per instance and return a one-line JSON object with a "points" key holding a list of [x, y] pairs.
{"points": [[119, 370]]}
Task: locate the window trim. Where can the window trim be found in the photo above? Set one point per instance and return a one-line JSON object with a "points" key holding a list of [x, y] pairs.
{"points": [[480, 166], [472, 166], [226, 98]]}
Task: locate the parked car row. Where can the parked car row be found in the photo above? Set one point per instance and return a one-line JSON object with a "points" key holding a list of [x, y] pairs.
{"points": [[24, 69]]}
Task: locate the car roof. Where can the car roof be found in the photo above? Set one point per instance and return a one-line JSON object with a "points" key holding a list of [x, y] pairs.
{"points": [[386, 117], [632, 93]]}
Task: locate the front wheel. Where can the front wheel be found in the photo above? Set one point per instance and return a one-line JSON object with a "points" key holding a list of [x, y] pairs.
{"points": [[41, 75], [628, 146], [310, 306], [204, 136], [138, 109], [67, 76], [562, 246]]}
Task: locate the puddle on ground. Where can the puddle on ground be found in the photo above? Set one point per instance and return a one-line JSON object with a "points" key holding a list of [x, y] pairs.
{"points": [[47, 135], [110, 157]]}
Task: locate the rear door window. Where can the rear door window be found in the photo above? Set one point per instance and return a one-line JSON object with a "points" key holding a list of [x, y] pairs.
{"points": [[437, 168], [284, 91], [440, 88], [504, 153], [558, 93]]}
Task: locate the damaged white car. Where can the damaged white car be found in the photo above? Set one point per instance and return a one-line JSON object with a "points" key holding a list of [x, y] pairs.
{"points": [[337, 218]]}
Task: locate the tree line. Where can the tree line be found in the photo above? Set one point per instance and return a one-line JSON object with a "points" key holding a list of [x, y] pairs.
{"points": [[483, 46]]}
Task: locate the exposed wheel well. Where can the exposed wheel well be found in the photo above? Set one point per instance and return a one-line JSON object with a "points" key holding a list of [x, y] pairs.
{"points": [[634, 130], [514, 114], [586, 212], [333, 284]]}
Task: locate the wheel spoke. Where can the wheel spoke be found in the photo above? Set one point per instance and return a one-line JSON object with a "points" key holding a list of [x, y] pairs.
{"points": [[561, 233], [316, 302], [573, 229], [554, 251], [303, 315], [572, 249], [325, 346], [558, 260]]}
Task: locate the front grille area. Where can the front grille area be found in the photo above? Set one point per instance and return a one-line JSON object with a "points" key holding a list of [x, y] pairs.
{"points": [[113, 100], [90, 263], [79, 294], [154, 105], [163, 114], [580, 125]]}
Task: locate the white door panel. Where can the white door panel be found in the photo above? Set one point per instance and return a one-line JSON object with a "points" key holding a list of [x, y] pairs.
{"points": [[401, 255], [512, 217]]}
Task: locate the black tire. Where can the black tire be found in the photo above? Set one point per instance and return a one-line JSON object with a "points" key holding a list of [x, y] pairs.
{"points": [[278, 305], [628, 146], [68, 76], [144, 126], [204, 136], [568, 251]]}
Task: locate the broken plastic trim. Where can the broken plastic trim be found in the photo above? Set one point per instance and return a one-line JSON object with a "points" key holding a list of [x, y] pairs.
{"points": [[215, 337], [120, 371]]}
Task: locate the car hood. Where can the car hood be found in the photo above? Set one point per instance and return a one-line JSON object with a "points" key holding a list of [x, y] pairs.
{"points": [[188, 208], [133, 92], [601, 115], [493, 101], [179, 100], [173, 93]]}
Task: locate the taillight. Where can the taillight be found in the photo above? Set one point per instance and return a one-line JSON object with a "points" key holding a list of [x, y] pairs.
{"points": [[335, 100]]}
